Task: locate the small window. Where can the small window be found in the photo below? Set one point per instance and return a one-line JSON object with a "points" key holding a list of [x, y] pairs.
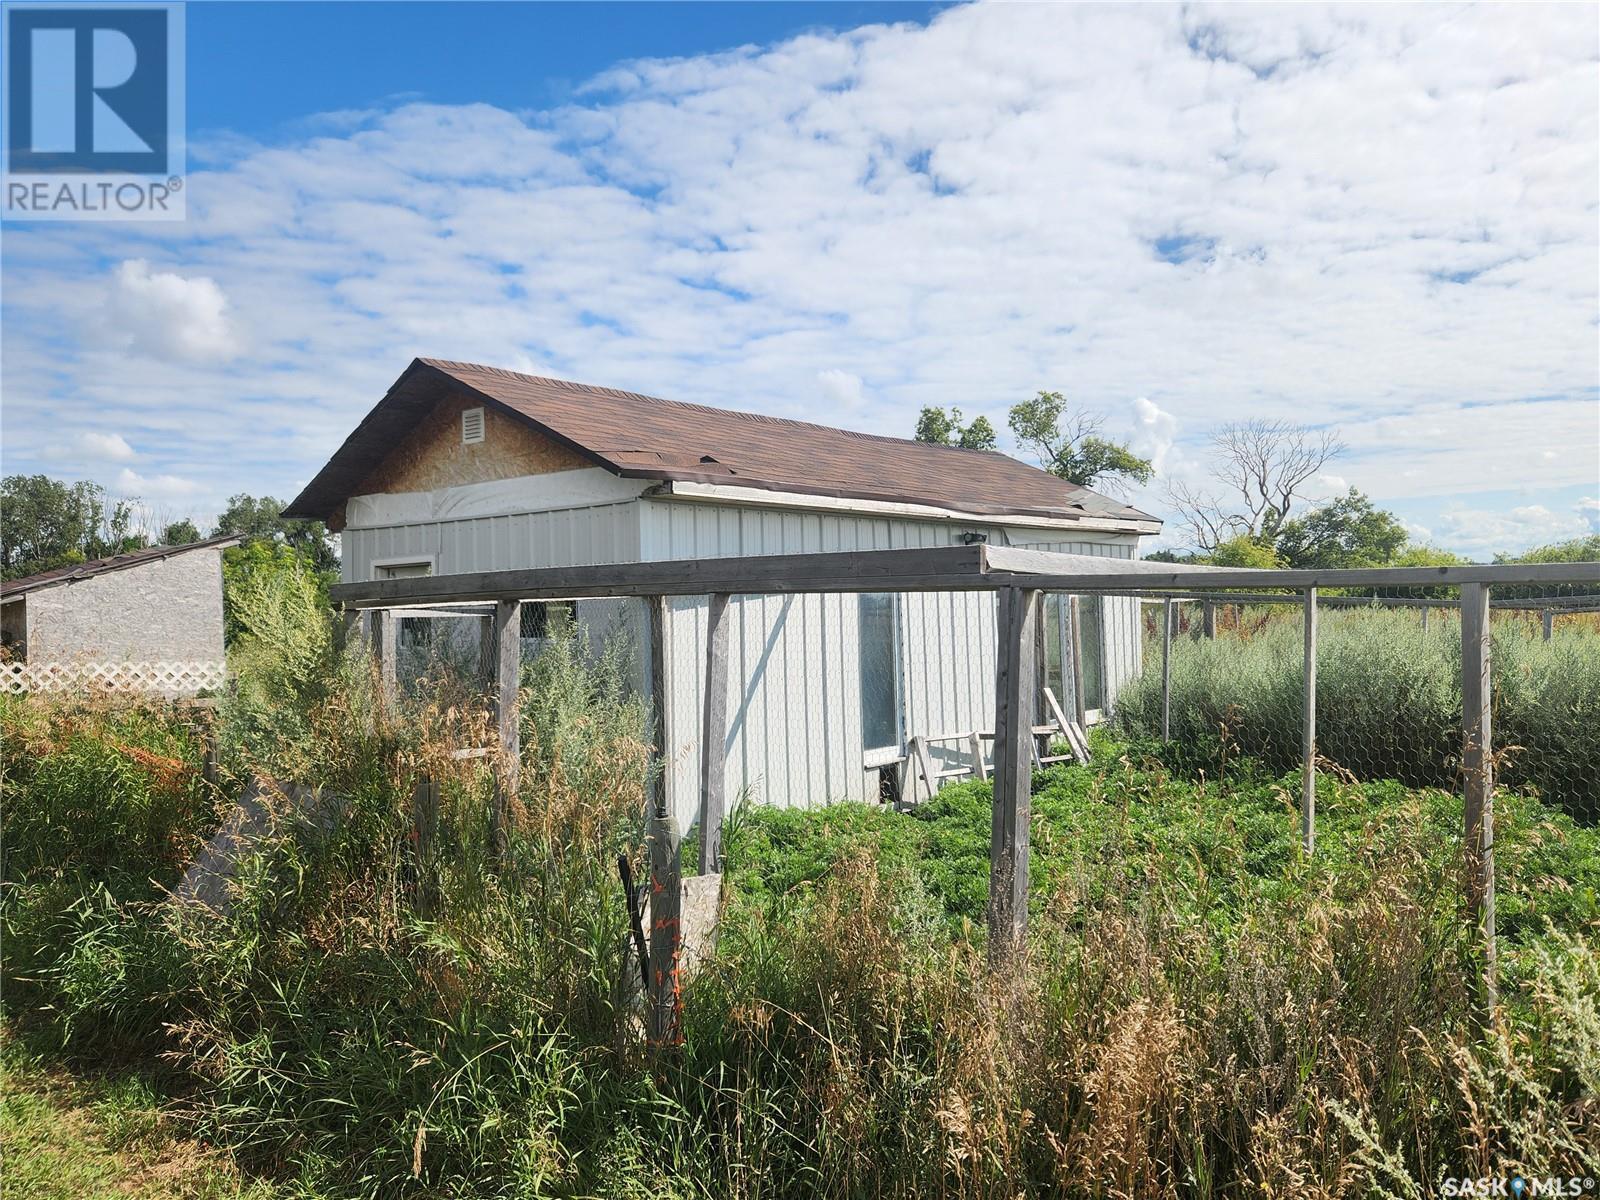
{"points": [[880, 672], [537, 618], [403, 570], [472, 427]]}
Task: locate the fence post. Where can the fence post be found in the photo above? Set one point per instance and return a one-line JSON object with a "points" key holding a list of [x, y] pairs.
{"points": [[714, 736], [1166, 670], [384, 631], [1549, 622], [665, 850], [486, 657], [1425, 608], [1208, 618], [1308, 747], [1080, 708], [1013, 773], [1477, 758], [508, 682]]}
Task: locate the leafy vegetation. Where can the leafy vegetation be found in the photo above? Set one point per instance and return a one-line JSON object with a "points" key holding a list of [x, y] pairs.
{"points": [[1388, 701], [392, 1005]]}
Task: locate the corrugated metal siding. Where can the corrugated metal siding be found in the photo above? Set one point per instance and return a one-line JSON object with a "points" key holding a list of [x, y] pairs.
{"points": [[794, 705], [563, 537]]}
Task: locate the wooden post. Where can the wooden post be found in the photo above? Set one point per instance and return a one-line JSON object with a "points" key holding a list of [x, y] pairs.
{"points": [[508, 683], [666, 932], [1549, 623], [1041, 682], [1308, 745], [1425, 608], [1080, 708], [1013, 773], [1208, 619], [351, 626], [665, 849], [714, 736], [385, 629], [1167, 607], [979, 769], [1477, 760], [487, 669]]}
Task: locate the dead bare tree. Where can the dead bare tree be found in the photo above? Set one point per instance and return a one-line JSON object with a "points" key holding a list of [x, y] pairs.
{"points": [[1262, 467]]}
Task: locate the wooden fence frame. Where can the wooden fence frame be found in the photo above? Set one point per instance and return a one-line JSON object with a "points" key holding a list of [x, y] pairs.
{"points": [[1019, 577]]}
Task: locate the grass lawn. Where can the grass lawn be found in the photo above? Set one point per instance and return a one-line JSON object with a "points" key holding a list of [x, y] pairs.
{"points": [[100, 1137]]}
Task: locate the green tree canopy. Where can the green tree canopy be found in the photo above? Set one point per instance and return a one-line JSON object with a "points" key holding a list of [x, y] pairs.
{"points": [[1580, 549], [260, 518], [180, 533], [943, 427], [1348, 531], [1070, 446], [46, 523], [1245, 551]]}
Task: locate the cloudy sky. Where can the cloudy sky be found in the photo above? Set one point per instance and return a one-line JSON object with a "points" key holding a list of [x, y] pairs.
{"points": [[1383, 220]]}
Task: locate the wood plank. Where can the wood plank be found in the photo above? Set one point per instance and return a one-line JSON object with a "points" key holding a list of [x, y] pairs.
{"points": [[659, 625], [1549, 618], [1013, 803], [508, 715], [714, 736], [665, 850], [1308, 732], [1080, 707], [1168, 613], [1208, 619], [917, 750], [385, 630], [979, 767], [1069, 730], [1058, 579], [1478, 764]]}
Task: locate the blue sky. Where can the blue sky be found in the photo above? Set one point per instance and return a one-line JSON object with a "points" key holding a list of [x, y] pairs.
{"points": [[1379, 219]]}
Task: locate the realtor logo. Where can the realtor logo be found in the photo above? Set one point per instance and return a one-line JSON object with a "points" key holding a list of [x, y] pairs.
{"points": [[94, 112]]}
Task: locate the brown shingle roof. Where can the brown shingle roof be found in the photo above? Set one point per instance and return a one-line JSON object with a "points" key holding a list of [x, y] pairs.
{"points": [[643, 437], [100, 566]]}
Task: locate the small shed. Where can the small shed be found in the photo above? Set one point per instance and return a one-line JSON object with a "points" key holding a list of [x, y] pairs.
{"points": [[464, 468], [148, 620]]}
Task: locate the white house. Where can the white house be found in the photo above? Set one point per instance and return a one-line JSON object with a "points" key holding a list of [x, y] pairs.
{"points": [[470, 468]]}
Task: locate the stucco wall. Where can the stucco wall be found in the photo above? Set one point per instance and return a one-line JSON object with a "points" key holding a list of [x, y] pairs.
{"points": [[169, 610]]}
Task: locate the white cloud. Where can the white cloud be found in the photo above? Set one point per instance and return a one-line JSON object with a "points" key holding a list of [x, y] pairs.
{"points": [[1588, 510], [1184, 205], [169, 316], [1484, 532], [1153, 432], [841, 387], [159, 487], [106, 447]]}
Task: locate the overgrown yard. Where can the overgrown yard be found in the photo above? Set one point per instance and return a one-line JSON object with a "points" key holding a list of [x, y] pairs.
{"points": [[1202, 1010]]}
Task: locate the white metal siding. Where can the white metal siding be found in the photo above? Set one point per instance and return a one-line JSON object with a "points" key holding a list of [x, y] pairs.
{"points": [[794, 705], [562, 537]]}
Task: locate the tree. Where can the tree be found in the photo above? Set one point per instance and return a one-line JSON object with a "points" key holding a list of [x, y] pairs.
{"points": [[1245, 551], [1579, 549], [1263, 467], [46, 523], [944, 428], [260, 518], [180, 533], [1069, 445], [1348, 531]]}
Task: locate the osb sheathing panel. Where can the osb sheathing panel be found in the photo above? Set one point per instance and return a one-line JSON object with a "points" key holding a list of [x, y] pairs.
{"points": [[431, 456]]}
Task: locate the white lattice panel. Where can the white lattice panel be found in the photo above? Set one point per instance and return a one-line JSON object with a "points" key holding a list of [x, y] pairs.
{"points": [[144, 678]]}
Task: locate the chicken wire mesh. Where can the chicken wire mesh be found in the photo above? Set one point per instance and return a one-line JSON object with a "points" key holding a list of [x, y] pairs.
{"points": [[1388, 687], [887, 697]]}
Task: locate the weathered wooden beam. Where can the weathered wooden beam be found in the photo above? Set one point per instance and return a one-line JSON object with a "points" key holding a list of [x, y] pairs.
{"points": [[1013, 773], [385, 633], [714, 736], [1208, 610], [508, 716], [660, 666], [1080, 706], [666, 929], [1308, 731], [980, 769], [1425, 609], [1549, 618], [1167, 614], [486, 656], [1478, 764]]}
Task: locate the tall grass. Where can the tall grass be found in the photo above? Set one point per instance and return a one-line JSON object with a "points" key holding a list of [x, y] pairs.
{"points": [[1388, 702], [1201, 1011]]}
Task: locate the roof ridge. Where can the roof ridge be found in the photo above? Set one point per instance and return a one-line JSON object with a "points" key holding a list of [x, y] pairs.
{"points": [[89, 568], [448, 365]]}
